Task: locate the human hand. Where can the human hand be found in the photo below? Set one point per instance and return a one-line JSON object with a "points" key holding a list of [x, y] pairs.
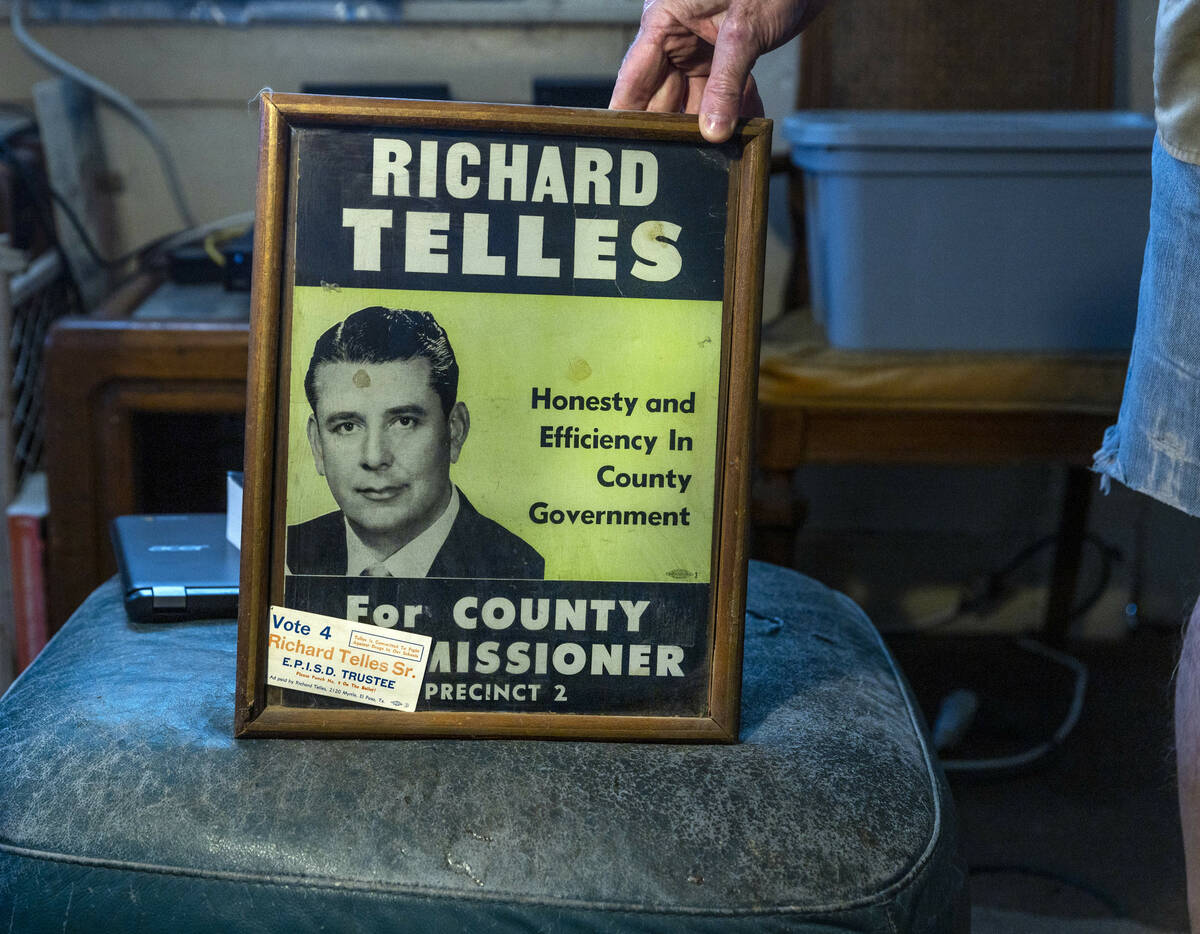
{"points": [[695, 56]]}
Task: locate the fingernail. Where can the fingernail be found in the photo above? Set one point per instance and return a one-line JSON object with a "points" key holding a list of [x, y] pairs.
{"points": [[715, 126]]}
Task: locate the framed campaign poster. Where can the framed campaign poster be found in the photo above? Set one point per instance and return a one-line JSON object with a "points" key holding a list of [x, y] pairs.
{"points": [[501, 397]]}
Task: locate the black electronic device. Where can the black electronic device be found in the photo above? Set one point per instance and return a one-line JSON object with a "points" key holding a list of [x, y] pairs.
{"points": [[238, 254], [176, 567]]}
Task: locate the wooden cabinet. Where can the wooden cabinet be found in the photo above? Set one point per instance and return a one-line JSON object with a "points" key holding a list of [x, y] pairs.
{"points": [[112, 387]]}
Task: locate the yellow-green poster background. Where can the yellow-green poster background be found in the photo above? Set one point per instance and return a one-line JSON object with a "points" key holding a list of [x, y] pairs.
{"points": [[508, 345]]}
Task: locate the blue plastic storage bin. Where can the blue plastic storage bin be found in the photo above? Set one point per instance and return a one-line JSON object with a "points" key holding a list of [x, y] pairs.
{"points": [[975, 231]]}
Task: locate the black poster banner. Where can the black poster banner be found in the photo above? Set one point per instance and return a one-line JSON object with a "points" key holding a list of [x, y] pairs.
{"points": [[537, 645], [486, 212]]}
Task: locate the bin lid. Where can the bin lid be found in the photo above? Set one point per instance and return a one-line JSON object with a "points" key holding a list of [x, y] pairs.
{"points": [[943, 130]]}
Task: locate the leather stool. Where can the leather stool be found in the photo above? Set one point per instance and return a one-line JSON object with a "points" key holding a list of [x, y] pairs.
{"points": [[126, 805]]}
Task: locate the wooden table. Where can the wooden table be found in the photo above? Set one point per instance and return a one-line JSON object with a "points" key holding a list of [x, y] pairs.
{"points": [[823, 406]]}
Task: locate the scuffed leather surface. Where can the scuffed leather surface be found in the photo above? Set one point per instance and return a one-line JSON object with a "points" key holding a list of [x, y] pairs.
{"points": [[126, 805]]}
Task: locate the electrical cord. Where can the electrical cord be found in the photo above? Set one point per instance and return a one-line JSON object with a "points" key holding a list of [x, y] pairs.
{"points": [[19, 109], [233, 222], [1040, 750], [220, 229], [40, 198], [214, 241], [980, 597], [115, 98], [19, 128], [960, 707], [155, 250], [192, 231], [39, 211]]}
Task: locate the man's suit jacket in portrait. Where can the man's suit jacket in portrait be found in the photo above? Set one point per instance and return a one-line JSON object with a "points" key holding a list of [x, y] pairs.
{"points": [[475, 547]]}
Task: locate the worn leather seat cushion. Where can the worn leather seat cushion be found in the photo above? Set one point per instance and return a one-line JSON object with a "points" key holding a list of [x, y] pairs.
{"points": [[126, 805]]}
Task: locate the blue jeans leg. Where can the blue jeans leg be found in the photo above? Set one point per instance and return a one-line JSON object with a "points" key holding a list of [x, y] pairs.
{"points": [[1155, 446]]}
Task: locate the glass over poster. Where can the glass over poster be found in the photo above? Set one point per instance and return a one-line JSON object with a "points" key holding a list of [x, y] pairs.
{"points": [[499, 415]]}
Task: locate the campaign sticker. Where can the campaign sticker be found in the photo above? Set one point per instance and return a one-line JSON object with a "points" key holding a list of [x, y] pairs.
{"points": [[353, 661]]}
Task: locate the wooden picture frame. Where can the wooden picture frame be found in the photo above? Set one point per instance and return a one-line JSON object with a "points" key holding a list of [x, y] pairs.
{"points": [[599, 275]]}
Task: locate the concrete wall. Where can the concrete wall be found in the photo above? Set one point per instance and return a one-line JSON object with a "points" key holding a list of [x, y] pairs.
{"points": [[198, 84]]}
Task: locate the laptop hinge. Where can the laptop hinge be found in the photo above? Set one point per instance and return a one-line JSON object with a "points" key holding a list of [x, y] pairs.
{"points": [[169, 598]]}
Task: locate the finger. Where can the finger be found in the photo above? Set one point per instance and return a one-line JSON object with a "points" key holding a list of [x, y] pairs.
{"points": [[640, 76], [751, 105], [695, 94], [735, 51], [671, 94]]}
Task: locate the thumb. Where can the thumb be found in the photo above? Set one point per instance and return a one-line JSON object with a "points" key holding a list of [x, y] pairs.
{"points": [[736, 50]]}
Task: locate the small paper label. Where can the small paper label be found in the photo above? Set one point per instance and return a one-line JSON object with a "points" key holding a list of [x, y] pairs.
{"points": [[353, 661]]}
